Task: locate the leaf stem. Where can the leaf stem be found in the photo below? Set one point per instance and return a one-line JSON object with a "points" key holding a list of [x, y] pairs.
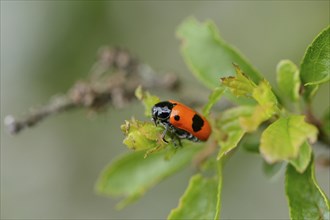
{"points": [[218, 207], [311, 118]]}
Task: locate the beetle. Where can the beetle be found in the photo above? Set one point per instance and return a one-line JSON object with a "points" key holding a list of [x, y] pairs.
{"points": [[181, 121]]}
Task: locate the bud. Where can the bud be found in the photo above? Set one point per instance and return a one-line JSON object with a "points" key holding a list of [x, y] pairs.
{"points": [[141, 135]]}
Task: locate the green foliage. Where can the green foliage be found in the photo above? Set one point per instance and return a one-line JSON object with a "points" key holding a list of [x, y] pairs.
{"points": [[213, 98], [132, 174], [208, 55], [303, 158], [326, 125], [261, 123], [264, 95], [197, 198], [288, 80], [229, 131], [251, 142], [271, 170], [283, 138], [306, 199], [141, 135], [147, 100], [240, 85], [315, 65], [202, 199], [267, 106]]}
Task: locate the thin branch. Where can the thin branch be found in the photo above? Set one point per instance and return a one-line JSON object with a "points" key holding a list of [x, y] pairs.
{"points": [[311, 118], [60, 104], [112, 81]]}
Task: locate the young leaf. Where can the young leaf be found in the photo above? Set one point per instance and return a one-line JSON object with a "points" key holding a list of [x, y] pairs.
{"points": [[132, 175], [282, 140], [230, 131], [303, 159], [148, 100], [260, 114], [267, 107], [208, 55], [263, 94], [315, 66], [213, 98], [240, 85], [199, 201], [288, 79], [306, 199], [233, 139]]}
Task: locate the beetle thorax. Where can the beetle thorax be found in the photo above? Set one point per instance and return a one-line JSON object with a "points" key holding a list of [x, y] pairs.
{"points": [[160, 113]]}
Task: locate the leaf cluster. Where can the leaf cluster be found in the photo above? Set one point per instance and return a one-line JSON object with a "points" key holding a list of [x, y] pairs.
{"points": [[271, 124]]}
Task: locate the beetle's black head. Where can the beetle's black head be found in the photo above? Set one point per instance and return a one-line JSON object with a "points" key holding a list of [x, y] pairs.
{"points": [[161, 111]]}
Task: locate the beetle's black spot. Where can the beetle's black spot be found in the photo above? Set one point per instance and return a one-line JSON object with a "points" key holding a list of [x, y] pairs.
{"points": [[176, 117], [198, 123]]}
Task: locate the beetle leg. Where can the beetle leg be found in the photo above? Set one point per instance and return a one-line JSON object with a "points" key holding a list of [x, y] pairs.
{"points": [[164, 133], [179, 142], [154, 121]]}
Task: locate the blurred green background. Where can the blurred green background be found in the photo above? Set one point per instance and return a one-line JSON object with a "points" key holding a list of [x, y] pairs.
{"points": [[50, 171]]}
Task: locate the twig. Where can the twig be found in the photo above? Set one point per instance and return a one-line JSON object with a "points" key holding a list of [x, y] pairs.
{"points": [[60, 104], [310, 117], [113, 80]]}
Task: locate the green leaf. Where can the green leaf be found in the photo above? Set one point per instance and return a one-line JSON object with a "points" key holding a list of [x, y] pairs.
{"points": [[283, 138], [208, 56], [229, 129], [239, 85], [270, 170], [231, 142], [213, 98], [264, 95], [315, 66], [267, 107], [200, 199], [288, 79], [260, 114], [131, 175], [306, 199], [148, 100], [326, 124], [303, 159], [251, 142]]}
